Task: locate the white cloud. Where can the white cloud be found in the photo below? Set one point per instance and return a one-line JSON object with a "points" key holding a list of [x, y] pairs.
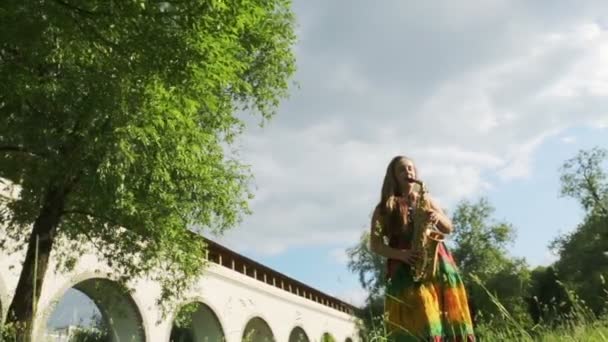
{"points": [[338, 255], [547, 259], [354, 296], [469, 92], [346, 79], [520, 157], [568, 139]]}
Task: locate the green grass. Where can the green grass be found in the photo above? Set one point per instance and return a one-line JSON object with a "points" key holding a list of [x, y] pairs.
{"points": [[579, 326], [590, 332], [571, 331]]}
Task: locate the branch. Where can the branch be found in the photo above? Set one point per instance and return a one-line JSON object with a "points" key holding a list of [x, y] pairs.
{"points": [[92, 241], [79, 10], [19, 149], [92, 30], [89, 14], [128, 229], [593, 192], [90, 214]]}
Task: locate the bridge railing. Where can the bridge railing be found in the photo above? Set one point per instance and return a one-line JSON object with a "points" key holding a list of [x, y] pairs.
{"points": [[225, 257]]}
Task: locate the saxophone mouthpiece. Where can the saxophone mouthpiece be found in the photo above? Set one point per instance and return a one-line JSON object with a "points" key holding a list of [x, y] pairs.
{"points": [[412, 180]]}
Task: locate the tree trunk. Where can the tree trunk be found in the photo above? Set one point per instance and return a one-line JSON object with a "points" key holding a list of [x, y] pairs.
{"points": [[22, 309]]}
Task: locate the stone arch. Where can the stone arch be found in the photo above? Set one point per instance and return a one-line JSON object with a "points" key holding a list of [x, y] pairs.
{"points": [[298, 335], [257, 330], [204, 324], [327, 337], [118, 308]]}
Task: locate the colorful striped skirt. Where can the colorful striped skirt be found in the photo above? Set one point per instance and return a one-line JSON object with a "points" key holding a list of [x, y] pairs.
{"points": [[436, 310]]}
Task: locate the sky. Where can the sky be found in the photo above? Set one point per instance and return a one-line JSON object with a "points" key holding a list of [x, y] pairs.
{"points": [[488, 98]]}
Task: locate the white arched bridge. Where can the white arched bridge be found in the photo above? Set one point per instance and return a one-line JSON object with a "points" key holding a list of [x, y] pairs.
{"points": [[237, 299]]}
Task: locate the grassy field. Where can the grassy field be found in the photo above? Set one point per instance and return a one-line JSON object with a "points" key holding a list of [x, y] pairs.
{"points": [[579, 325], [579, 332]]}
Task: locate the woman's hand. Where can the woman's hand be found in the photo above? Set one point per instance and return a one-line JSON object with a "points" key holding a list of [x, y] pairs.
{"points": [[433, 216], [439, 219], [408, 256]]}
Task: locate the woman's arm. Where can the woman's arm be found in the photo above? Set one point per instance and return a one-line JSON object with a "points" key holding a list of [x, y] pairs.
{"points": [[444, 224], [377, 245]]}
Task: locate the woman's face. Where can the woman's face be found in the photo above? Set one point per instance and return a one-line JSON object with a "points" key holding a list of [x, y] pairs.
{"points": [[404, 169]]}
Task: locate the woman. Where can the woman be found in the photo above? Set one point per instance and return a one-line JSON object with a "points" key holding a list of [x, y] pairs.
{"points": [[434, 310]]}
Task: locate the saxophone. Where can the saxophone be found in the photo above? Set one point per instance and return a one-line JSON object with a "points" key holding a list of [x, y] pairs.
{"points": [[426, 237]]}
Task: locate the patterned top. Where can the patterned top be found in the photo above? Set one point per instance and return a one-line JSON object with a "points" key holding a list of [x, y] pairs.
{"points": [[400, 241]]}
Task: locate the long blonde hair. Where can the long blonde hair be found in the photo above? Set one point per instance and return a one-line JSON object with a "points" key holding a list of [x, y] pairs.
{"points": [[393, 203]]}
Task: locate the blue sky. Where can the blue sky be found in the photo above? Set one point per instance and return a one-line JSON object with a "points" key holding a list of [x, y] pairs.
{"points": [[489, 98], [534, 205]]}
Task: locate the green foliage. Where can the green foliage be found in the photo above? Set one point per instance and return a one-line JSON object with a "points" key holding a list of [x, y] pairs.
{"points": [[480, 244], [126, 107], [326, 337], [582, 177], [583, 262], [184, 315], [79, 334], [371, 315], [549, 302], [180, 334], [253, 335], [577, 324], [371, 270], [8, 331], [298, 335], [481, 250], [370, 267], [90, 335]]}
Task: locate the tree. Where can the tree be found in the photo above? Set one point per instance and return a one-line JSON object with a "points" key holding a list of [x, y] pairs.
{"points": [[549, 302], [369, 266], [480, 245], [371, 270], [583, 263], [584, 179], [114, 120], [480, 249]]}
